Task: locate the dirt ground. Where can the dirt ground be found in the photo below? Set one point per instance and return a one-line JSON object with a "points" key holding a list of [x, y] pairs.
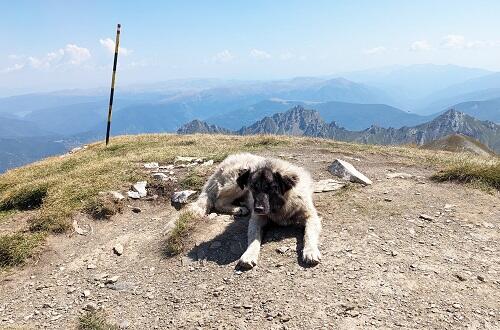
{"points": [[383, 266]]}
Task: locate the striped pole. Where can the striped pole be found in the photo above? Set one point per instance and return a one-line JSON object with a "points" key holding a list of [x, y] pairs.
{"points": [[117, 43]]}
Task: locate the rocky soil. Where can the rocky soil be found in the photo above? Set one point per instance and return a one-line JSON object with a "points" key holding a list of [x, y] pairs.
{"points": [[403, 253]]}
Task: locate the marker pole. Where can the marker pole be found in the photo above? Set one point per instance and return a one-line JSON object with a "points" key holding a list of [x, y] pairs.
{"points": [[117, 43]]}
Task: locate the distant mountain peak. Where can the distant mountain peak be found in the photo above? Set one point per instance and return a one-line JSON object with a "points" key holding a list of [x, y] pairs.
{"points": [[198, 126]]}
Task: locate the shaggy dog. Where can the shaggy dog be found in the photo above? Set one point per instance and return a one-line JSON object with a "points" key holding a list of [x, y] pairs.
{"points": [[221, 190], [282, 193]]}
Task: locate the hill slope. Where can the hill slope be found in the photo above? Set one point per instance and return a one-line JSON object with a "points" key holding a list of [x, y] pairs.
{"points": [[375, 242], [459, 143]]}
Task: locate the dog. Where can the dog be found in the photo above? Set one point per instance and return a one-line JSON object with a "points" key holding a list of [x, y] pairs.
{"points": [[282, 193], [222, 190]]}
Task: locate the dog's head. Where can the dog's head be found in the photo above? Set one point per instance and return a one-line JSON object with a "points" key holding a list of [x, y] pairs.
{"points": [[268, 188]]}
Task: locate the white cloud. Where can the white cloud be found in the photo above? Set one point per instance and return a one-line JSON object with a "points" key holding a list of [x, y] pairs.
{"points": [[375, 50], [109, 45], [455, 41], [420, 46], [70, 55], [260, 54], [223, 57], [12, 68], [76, 55]]}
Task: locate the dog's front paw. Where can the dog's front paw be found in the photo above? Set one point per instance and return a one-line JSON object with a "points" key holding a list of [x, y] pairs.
{"points": [[311, 255], [247, 261], [241, 211]]}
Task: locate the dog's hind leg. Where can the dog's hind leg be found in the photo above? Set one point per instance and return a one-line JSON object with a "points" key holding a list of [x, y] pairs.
{"points": [[225, 205], [249, 259], [310, 253]]}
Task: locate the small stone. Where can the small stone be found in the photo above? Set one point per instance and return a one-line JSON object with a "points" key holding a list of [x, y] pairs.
{"points": [[282, 249], [90, 307], [91, 266], [394, 253], [399, 175], [140, 187], [481, 278], [457, 306], [133, 194], [160, 176], [427, 217], [387, 199], [151, 165], [460, 277], [71, 290], [208, 163], [86, 293], [327, 185], [247, 306], [112, 279], [353, 312], [117, 196], [181, 197], [124, 324], [136, 209], [118, 249]]}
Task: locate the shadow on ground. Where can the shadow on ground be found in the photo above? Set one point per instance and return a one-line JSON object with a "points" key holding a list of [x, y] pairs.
{"points": [[228, 246]]}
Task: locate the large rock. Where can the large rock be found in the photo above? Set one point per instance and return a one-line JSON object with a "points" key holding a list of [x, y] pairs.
{"points": [[346, 171]]}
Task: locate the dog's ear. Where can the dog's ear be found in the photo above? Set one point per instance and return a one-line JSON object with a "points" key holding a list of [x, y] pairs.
{"points": [[285, 182], [242, 179]]}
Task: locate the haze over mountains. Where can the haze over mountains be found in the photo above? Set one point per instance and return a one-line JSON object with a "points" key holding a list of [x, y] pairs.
{"points": [[388, 97]]}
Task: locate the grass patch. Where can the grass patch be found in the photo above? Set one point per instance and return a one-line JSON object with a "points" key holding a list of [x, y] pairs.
{"points": [[193, 181], [480, 174], [179, 235], [94, 320], [266, 141], [26, 197], [103, 207], [16, 248]]}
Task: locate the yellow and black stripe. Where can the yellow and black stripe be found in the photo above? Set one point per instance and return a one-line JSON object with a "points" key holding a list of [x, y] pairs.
{"points": [[117, 43]]}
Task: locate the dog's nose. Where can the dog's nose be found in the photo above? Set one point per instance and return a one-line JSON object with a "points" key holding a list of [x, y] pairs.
{"points": [[259, 209]]}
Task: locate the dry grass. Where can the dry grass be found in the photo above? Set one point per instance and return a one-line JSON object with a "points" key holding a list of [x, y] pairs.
{"points": [[481, 174], [16, 248], [103, 207], [94, 320], [178, 237]]}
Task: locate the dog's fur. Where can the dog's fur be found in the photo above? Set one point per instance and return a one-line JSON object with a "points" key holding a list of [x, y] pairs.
{"points": [[221, 190], [282, 193]]}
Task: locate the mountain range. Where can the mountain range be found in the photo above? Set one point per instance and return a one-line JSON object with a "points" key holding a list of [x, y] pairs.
{"points": [[300, 121], [392, 97]]}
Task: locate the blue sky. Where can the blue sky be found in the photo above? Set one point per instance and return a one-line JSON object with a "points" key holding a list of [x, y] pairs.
{"points": [[65, 44]]}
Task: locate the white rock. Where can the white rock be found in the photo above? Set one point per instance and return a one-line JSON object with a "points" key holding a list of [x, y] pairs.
{"points": [[140, 187], [118, 249], [117, 196], [327, 185], [79, 230], [160, 176], [181, 159], [151, 166], [181, 197], [112, 279], [86, 293], [91, 266], [133, 194], [346, 171], [208, 163]]}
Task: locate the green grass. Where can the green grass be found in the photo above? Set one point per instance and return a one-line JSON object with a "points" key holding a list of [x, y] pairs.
{"points": [[179, 235], [94, 320], [485, 174], [193, 181], [16, 248]]}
